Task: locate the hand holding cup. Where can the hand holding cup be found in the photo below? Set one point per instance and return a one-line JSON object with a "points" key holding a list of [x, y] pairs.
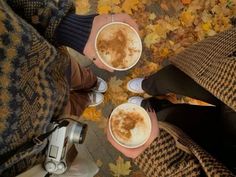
{"points": [[134, 152], [98, 23]]}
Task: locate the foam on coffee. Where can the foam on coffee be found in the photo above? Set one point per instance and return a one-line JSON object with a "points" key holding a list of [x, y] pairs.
{"points": [[130, 126], [118, 45]]}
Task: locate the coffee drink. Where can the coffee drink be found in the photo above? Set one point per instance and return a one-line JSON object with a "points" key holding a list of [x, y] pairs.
{"points": [[130, 125], [118, 45]]}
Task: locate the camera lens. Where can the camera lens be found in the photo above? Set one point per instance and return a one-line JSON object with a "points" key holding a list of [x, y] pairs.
{"points": [[78, 133]]}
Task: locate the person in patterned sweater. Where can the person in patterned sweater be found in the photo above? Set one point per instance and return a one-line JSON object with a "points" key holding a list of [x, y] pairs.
{"points": [[190, 140], [37, 74]]}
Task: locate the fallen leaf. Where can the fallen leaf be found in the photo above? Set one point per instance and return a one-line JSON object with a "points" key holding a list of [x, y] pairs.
{"points": [[152, 16], [82, 7], [187, 18], [92, 114], [121, 168], [130, 5], [99, 163], [146, 69], [151, 39], [164, 52], [164, 6], [116, 93], [107, 6], [185, 2]]}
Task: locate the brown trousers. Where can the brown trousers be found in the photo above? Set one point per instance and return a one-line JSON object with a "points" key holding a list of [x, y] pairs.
{"points": [[82, 80]]}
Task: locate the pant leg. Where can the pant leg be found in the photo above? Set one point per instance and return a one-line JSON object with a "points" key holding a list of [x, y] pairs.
{"points": [[172, 80], [82, 80], [228, 149], [206, 125], [78, 102]]}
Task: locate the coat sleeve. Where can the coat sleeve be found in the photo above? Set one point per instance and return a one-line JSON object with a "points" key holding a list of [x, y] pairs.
{"points": [[43, 15], [173, 153], [164, 158], [212, 64]]}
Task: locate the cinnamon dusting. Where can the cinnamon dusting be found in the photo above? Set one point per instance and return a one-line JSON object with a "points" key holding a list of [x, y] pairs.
{"points": [[116, 47], [124, 122]]}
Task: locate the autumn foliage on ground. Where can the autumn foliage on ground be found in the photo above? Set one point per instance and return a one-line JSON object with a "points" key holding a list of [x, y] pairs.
{"points": [[166, 28]]}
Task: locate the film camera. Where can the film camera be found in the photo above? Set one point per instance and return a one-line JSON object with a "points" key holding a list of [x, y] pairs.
{"points": [[61, 150]]}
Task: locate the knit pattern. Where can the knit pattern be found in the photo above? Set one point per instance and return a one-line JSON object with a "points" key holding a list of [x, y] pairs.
{"points": [[163, 159], [173, 153], [44, 15], [33, 88], [211, 64]]}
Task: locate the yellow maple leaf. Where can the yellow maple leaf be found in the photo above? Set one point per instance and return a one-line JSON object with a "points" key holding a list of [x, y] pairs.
{"points": [[164, 52], [206, 26], [151, 38], [82, 7], [206, 16], [105, 9], [107, 6], [92, 114], [187, 18], [130, 5], [152, 16], [117, 9], [161, 30], [121, 168]]}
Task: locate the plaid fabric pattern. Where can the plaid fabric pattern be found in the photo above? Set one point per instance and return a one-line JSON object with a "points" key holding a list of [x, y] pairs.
{"points": [[33, 88], [211, 64], [163, 159], [173, 153], [44, 15]]}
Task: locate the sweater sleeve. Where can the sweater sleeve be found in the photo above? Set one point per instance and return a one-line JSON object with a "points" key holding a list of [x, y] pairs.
{"points": [[74, 31], [43, 15], [163, 158]]}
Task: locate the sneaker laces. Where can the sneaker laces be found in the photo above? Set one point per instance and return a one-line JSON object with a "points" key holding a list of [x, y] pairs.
{"points": [[92, 97]]}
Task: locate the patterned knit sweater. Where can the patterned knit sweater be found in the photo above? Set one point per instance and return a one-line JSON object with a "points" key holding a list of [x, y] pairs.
{"points": [[34, 87]]}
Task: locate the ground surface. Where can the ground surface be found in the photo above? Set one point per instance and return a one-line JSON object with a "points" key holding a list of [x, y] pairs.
{"points": [[166, 28]]}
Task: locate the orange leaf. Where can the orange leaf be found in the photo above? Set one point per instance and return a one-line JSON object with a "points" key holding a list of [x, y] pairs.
{"points": [[185, 2]]}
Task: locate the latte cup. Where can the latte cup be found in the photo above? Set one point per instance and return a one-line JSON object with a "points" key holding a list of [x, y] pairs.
{"points": [[129, 125], [118, 46]]}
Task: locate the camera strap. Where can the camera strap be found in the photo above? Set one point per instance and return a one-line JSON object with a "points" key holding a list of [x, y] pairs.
{"points": [[35, 141]]}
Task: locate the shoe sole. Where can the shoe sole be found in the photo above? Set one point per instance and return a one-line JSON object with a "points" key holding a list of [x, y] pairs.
{"points": [[131, 90], [104, 90], [94, 105]]}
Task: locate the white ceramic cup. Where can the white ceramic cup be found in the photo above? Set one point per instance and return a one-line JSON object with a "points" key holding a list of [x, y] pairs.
{"points": [[139, 125], [118, 46]]}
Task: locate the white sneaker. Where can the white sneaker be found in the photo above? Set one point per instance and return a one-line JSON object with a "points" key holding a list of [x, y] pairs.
{"points": [[101, 86], [95, 98], [135, 85], [136, 100]]}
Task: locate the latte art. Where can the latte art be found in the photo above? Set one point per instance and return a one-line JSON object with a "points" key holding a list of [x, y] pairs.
{"points": [[118, 46], [130, 126]]}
